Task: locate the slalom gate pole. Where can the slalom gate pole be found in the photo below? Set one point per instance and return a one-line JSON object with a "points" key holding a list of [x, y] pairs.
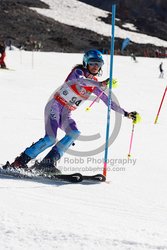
{"points": [[156, 119], [110, 89], [32, 59], [21, 56], [131, 139]]}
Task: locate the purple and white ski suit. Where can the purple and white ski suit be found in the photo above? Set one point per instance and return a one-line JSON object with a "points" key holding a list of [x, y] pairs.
{"points": [[77, 88]]}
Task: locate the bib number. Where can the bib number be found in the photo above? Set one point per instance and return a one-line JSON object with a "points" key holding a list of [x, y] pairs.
{"points": [[70, 96]]}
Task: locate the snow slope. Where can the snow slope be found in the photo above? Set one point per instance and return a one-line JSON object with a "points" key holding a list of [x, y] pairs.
{"points": [[75, 13], [129, 211]]}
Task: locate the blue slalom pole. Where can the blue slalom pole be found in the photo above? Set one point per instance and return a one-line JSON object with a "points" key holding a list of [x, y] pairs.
{"points": [[110, 89]]}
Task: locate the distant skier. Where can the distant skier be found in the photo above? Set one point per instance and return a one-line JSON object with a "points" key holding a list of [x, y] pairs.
{"points": [[133, 57], [161, 70], [79, 85], [2, 57]]}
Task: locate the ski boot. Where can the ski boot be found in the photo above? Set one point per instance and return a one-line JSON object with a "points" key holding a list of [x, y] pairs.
{"points": [[7, 165], [48, 165], [3, 66], [20, 162], [46, 168]]}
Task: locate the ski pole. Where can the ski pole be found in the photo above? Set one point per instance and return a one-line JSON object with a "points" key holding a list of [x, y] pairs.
{"points": [[88, 108], [114, 85], [131, 139], [156, 119]]}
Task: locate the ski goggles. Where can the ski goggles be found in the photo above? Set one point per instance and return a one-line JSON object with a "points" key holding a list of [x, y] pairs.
{"points": [[93, 63]]}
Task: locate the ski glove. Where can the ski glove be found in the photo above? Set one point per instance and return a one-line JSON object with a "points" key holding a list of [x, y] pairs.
{"points": [[134, 116], [106, 83]]}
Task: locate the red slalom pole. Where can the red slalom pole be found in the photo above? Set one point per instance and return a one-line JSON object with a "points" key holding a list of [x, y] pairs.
{"points": [[156, 119]]}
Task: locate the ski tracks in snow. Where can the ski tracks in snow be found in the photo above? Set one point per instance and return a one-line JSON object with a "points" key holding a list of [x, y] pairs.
{"points": [[74, 216]]}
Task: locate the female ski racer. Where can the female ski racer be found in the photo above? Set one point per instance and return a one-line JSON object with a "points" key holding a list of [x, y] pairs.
{"points": [[79, 85]]}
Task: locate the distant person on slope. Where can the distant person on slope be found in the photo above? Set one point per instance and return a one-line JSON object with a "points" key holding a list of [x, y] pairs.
{"points": [[2, 55], [161, 70], [77, 88], [133, 57]]}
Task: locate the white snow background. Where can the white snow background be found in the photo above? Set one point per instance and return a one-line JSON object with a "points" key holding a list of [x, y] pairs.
{"points": [[129, 211]]}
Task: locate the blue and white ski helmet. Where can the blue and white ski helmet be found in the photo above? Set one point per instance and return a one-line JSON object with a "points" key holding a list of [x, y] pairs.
{"points": [[92, 55]]}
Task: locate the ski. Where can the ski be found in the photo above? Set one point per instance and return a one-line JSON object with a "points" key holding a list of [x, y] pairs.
{"points": [[15, 173], [77, 177], [7, 69], [29, 174], [97, 178], [21, 174], [74, 178]]}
